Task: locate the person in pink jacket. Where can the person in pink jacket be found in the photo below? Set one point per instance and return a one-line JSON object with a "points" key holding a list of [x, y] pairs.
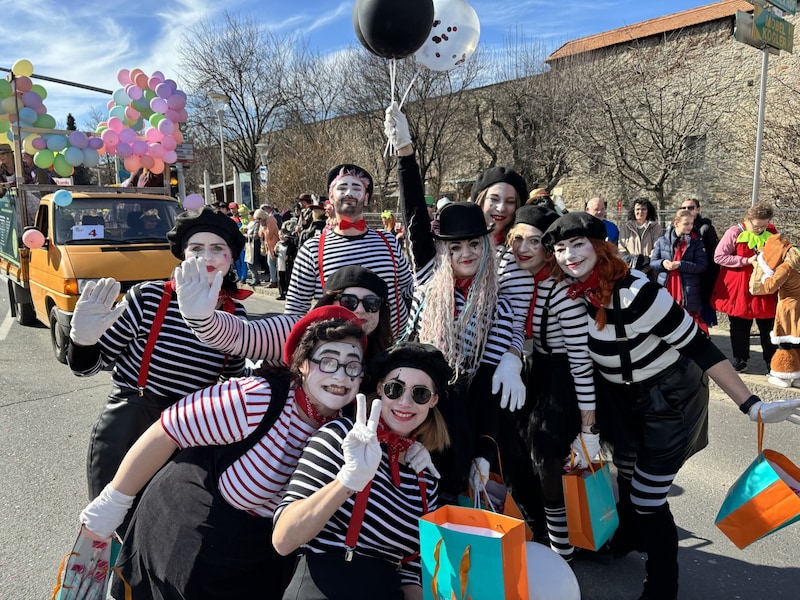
{"points": [[736, 254]]}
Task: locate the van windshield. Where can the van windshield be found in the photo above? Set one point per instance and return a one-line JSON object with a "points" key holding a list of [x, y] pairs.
{"points": [[104, 220]]}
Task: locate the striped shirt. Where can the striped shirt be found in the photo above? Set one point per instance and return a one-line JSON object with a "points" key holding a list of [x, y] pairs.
{"points": [[370, 251], [658, 330], [567, 333], [390, 529], [516, 285], [261, 339], [180, 363], [227, 413]]}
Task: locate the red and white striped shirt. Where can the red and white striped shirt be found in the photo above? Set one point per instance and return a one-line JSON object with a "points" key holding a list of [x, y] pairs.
{"points": [[227, 413]]}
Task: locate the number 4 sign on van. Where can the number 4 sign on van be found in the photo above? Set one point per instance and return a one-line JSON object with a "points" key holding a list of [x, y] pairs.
{"points": [[88, 232]]}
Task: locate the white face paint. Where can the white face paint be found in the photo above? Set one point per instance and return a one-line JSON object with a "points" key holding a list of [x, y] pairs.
{"points": [[576, 257], [526, 244], [213, 249], [329, 392], [349, 197], [465, 257], [500, 205]]}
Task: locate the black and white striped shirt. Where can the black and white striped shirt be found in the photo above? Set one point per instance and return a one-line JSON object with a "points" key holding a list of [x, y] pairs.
{"points": [[390, 529], [658, 330], [370, 251], [180, 363], [516, 285], [566, 333]]}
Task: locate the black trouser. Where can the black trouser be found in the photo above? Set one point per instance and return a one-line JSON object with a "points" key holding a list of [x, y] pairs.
{"points": [[740, 337]]}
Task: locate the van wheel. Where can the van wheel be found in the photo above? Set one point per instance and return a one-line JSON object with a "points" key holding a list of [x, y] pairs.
{"points": [[58, 337], [25, 314]]}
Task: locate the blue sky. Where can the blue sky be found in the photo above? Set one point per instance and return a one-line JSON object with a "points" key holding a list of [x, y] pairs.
{"points": [[89, 40]]}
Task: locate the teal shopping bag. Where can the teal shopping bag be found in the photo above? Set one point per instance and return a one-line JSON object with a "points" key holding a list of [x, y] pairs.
{"points": [[591, 508], [472, 553], [763, 500]]}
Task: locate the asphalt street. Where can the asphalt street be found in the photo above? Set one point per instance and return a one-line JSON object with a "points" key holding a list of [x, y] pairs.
{"points": [[46, 415]]}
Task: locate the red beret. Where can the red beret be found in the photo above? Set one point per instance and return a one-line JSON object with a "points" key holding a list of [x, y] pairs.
{"points": [[323, 313]]}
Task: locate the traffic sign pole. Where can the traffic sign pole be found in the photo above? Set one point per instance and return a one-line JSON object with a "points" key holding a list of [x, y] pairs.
{"points": [[762, 96]]}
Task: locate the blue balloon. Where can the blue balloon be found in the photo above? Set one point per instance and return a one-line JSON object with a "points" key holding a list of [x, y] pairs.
{"points": [[62, 198], [73, 156], [56, 142]]}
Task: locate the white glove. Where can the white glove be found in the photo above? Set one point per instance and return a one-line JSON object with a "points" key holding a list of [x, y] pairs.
{"points": [[419, 459], [777, 411], [592, 443], [479, 473], [507, 375], [362, 451], [768, 272], [197, 300], [105, 513], [93, 312], [395, 126]]}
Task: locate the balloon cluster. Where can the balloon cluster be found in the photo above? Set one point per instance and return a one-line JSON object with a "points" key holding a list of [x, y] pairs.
{"points": [[143, 118], [21, 102], [441, 34]]}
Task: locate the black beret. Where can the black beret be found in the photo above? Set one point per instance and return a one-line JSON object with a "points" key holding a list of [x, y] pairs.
{"points": [[572, 225], [414, 355], [500, 175], [356, 276], [204, 219], [351, 169], [537, 216]]}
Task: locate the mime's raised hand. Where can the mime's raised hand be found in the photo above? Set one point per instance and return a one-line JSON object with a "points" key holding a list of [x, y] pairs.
{"points": [[361, 449], [197, 299], [95, 312]]}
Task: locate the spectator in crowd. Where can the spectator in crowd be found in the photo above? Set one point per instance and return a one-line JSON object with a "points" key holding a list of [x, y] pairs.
{"points": [[708, 234], [381, 463], [203, 527], [541, 197], [678, 260], [638, 235], [389, 222], [597, 208], [145, 379], [319, 221], [252, 249], [268, 232], [430, 203], [736, 254], [285, 251], [652, 365], [149, 179]]}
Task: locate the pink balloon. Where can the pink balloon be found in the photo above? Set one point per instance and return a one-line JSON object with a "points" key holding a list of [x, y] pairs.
{"points": [[23, 84], [127, 135], [39, 143], [141, 80], [177, 100], [154, 81], [159, 105], [158, 166], [159, 74], [139, 147], [110, 104], [132, 114], [178, 135], [193, 201], [172, 115], [41, 109], [147, 161], [110, 137], [33, 239], [170, 156], [116, 124], [124, 77], [134, 92], [155, 150], [132, 163], [166, 126], [124, 150], [135, 73], [168, 142], [183, 116], [153, 135]]}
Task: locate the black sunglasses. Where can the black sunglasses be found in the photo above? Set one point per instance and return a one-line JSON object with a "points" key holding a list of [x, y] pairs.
{"points": [[688, 207], [393, 390], [350, 302]]}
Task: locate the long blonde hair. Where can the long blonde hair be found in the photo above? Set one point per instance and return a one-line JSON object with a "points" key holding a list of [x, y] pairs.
{"points": [[462, 338]]}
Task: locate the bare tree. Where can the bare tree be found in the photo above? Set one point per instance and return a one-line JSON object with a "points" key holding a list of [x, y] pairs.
{"points": [[781, 166], [254, 67]]}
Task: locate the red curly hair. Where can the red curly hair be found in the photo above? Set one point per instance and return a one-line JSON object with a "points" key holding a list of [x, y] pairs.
{"points": [[612, 268]]}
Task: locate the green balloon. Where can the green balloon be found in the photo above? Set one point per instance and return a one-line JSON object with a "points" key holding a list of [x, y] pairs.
{"points": [[149, 94], [45, 121], [5, 88], [4, 126], [44, 158], [61, 166], [39, 89]]}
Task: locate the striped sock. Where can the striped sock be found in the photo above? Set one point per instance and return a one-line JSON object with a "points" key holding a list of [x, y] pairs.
{"points": [[557, 530]]}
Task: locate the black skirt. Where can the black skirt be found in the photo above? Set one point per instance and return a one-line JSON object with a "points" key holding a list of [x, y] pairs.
{"points": [[186, 542], [328, 576]]}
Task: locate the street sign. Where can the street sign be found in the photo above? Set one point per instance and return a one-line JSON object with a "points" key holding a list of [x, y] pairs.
{"points": [[789, 6], [185, 153], [743, 32], [773, 30], [262, 174]]}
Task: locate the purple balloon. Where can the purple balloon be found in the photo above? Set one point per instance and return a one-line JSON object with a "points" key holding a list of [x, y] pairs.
{"points": [[95, 143], [176, 101], [158, 105], [166, 126], [170, 156], [172, 115], [134, 92], [127, 135], [124, 150], [139, 147], [39, 143], [163, 90], [78, 139], [31, 99]]}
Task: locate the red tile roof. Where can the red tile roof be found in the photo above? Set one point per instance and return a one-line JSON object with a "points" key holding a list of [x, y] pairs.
{"points": [[687, 18]]}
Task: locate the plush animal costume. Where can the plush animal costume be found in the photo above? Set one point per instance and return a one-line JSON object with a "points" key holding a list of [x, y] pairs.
{"points": [[780, 261]]}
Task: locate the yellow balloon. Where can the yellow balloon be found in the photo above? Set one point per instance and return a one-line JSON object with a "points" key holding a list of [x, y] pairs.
{"points": [[27, 144], [22, 68]]}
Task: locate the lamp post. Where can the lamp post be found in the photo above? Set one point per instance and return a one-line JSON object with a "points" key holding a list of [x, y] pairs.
{"points": [[220, 101]]}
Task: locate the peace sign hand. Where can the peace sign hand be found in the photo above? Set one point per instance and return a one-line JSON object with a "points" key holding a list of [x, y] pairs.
{"points": [[361, 449]]}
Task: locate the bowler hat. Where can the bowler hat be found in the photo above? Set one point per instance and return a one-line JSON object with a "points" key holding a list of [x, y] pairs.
{"points": [[350, 169], [204, 219], [500, 175], [572, 225], [462, 221]]}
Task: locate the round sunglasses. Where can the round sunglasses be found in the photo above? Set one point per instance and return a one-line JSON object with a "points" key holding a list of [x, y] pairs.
{"points": [[394, 390], [371, 304]]}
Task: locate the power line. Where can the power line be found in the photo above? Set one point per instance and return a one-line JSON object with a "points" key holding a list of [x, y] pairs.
{"points": [[64, 82]]}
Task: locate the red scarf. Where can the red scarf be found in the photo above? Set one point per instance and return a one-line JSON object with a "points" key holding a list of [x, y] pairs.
{"points": [[228, 304], [348, 224], [587, 288], [463, 285], [395, 445], [310, 410], [541, 275], [673, 283]]}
